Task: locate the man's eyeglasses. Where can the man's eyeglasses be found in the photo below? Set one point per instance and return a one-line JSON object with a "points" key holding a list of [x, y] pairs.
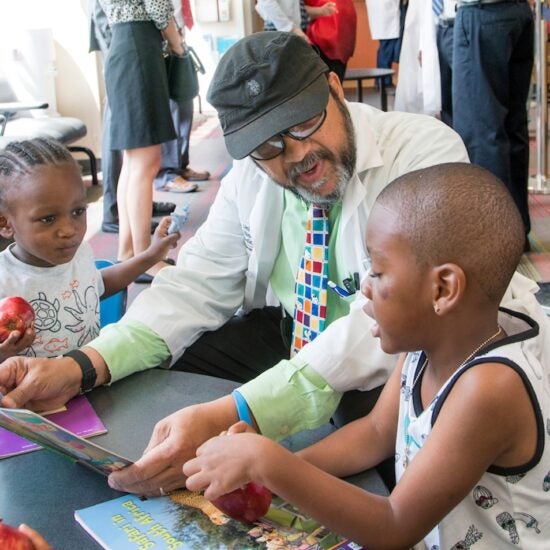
{"points": [[275, 145]]}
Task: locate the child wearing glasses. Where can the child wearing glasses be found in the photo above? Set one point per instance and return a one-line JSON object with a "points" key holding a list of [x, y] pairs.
{"points": [[43, 210], [466, 413]]}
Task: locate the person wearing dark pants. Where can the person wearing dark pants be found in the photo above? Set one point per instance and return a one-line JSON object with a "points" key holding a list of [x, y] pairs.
{"points": [[492, 64], [389, 49], [174, 174], [445, 29]]}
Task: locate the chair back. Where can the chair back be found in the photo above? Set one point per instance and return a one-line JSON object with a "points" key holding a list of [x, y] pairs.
{"points": [[112, 308]]}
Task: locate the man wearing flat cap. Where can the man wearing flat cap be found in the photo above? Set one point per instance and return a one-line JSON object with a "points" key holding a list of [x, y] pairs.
{"points": [[249, 290]]}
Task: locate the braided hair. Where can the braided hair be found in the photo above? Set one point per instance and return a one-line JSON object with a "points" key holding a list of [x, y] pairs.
{"points": [[20, 158]]}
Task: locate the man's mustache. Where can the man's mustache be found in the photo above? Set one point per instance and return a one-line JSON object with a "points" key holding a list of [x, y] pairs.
{"points": [[308, 162]]}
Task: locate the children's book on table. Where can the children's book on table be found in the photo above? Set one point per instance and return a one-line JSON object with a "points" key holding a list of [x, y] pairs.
{"points": [[187, 521], [26, 430]]}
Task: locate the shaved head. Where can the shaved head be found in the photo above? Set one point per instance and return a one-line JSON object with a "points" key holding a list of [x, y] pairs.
{"points": [[459, 213]]}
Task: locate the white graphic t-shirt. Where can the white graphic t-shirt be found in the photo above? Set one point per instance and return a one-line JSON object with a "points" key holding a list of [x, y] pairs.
{"points": [[509, 507], [65, 299]]}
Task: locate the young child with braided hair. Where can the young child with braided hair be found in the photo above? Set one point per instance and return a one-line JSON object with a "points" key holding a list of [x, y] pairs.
{"points": [[43, 210], [466, 413]]}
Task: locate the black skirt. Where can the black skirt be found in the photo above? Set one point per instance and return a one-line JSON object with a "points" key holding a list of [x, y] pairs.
{"points": [[137, 87]]}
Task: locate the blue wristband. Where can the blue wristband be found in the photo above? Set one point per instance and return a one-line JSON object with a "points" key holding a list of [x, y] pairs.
{"points": [[242, 407]]}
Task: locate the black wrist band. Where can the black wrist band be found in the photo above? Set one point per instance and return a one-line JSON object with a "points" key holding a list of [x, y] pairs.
{"points": [[89, 374]]}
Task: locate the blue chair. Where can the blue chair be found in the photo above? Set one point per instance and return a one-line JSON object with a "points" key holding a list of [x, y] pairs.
{"points": [[112, 308]]}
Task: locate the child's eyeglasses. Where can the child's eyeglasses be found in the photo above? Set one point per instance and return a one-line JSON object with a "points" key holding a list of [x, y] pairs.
{"points": [[275, 145]]}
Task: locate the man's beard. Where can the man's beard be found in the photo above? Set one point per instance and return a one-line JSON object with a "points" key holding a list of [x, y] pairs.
{"points": [[343, 162]]}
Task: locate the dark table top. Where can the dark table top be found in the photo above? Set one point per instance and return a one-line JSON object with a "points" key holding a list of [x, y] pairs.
{"points": [[43, 489]]}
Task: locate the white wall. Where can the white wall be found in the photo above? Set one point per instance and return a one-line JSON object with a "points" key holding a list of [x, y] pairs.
{"points": [[71, 75]]}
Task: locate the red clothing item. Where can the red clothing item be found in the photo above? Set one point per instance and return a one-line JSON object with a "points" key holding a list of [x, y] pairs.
{"points": [[334, 34]]}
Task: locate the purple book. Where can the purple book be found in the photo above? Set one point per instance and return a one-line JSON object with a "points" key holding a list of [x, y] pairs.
{"points": [[80, 418]]}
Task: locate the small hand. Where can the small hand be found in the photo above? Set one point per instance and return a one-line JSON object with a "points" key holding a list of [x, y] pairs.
{"points": [[16, 342], [162, 242], [225, 463], [327, 9]]}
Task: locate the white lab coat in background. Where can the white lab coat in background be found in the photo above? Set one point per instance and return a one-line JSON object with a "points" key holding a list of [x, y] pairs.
{"points": [[284, 14], [383, 18], [419, 85]]}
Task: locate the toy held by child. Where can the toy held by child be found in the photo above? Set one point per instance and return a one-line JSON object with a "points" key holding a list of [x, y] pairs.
{"points": [[178, 219], [464, 412], [43, 210]]}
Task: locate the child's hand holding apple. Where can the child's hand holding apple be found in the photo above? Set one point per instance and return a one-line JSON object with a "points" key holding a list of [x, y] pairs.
{"points": [[16, 326]]}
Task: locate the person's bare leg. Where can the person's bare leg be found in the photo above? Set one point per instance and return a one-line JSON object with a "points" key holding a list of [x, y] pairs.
{"points": [[139, 168], [125, 246]]}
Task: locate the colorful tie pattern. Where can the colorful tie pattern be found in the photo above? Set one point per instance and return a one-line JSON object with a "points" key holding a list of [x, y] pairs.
{"points": [[187, 14], [311, 282]]}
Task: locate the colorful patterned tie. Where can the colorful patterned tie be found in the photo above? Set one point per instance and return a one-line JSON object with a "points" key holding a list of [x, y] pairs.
{"points": [[187, 14], [311, 281]]}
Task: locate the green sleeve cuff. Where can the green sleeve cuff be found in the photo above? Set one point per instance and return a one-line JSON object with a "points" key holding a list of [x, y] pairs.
{"points": [[130, 347], [289, 398]]}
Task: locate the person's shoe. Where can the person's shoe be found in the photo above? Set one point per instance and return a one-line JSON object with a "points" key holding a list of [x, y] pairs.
{"points": [[112, 227], [179, 185], [163, 208], [190, 175]]}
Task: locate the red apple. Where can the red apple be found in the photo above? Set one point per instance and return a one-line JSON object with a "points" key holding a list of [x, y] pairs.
{"points": [[15, 314], [13, 539], [247, 504]]}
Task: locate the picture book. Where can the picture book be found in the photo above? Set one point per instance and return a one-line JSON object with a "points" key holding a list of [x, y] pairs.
{"points": [[79, 417], [185, 520], [53, 437]]}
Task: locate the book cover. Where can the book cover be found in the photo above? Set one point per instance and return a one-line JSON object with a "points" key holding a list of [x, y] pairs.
{"points": [[185, 520], [45, 433], [79, 417]]}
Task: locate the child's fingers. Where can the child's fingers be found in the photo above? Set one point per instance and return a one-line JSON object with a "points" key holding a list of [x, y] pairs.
{"points": [[11, 340]]}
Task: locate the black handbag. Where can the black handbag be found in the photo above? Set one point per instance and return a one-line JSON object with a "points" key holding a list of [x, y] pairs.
{"points": [[183, 83]]}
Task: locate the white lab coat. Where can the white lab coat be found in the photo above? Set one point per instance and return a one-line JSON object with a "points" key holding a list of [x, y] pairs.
{"points": [[226, 266], [383, 18], [419, 85], [284, 14]]}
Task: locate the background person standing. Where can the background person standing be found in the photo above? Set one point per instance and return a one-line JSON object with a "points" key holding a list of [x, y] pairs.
{"points": [[492, 65]]}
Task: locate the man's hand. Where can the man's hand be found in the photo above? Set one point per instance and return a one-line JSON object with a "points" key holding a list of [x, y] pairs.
{"points": [[174, 441], [37, 383], [16, 342]]}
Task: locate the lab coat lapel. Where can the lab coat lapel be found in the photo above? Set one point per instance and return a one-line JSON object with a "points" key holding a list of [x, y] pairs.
{"points": [[265, 233]]}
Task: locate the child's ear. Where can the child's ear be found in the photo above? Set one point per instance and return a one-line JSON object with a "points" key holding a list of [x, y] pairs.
{"points": [[448, 285], [6, 230]]}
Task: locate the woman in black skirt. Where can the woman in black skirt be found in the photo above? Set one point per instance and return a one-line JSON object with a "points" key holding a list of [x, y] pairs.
{"points": [[137, 91]]}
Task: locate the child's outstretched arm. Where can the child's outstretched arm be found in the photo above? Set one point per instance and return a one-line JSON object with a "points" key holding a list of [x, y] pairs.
{"points": [[482, 422], [372, 437], [119, 276]]}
